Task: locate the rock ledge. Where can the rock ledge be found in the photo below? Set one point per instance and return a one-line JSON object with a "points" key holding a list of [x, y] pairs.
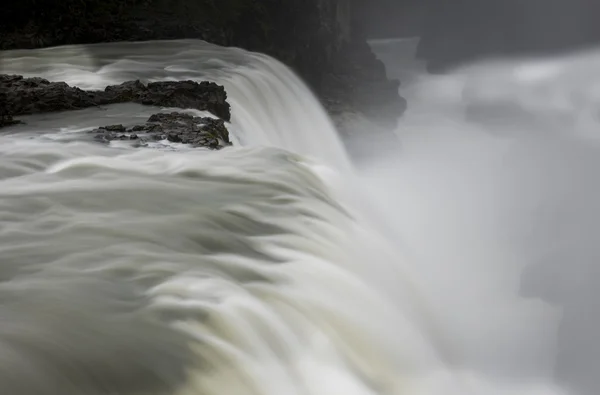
{"points": [[21, 96], [24, 96], [175, 127]]}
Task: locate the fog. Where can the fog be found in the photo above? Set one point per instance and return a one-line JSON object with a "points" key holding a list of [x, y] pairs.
{"points": [[495, 192]]}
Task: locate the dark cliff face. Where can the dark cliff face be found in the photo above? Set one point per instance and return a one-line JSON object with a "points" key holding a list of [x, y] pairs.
{"points": [[464, 30], [393, 18], [285, 29], [320, 39]]}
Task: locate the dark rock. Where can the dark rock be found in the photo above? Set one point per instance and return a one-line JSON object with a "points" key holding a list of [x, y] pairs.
{"points": [[8, 120], [37, 95], [205, 96], [21, 96], [175, 127], [115, 128], [358, 83], [125, 92], [384, 19]]}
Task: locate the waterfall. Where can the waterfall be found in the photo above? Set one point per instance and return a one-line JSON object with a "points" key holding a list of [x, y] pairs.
{"points": [[272, 267]]}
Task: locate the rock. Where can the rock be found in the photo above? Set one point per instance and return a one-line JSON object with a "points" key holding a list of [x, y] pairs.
{"points": [[359, 84], [21, 96], [175, 127], [385, 19], [114, 128], [8, 120], [205, 96], [378, 101], [37, 95]]}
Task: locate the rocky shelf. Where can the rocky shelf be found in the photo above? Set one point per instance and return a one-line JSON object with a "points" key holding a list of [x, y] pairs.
{"points": [[175, 127], [26, 96]]}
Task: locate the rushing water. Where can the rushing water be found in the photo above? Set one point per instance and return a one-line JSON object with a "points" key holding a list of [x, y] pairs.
{"points": [[278, 266]]}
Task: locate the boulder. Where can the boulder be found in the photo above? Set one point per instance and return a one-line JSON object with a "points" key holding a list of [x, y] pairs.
{"points": [[37, 95], [8, 120], [204, 96], [175, 127]]}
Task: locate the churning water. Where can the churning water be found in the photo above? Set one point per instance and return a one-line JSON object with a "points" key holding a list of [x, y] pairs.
{"points": [[279, 266]]}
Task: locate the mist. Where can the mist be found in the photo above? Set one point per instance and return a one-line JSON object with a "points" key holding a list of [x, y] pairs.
{"points": [[455, 33], [494, 193]]}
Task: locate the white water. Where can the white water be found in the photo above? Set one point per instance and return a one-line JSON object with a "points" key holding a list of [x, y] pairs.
{"points": [[275, 267]]}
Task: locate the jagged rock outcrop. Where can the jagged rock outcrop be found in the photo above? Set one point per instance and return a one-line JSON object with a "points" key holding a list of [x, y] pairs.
{"points": [[20, 96], [358, 81], [175, 127], [320, 39], [23, 96], [8, 120]]}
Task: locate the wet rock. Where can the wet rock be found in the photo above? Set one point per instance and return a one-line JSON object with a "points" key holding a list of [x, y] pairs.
{"points": [[115, 128], [358, 83], [204, 96], [378, 101], [37, 95], [8, 120], [20, 96], [175, 127]]}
